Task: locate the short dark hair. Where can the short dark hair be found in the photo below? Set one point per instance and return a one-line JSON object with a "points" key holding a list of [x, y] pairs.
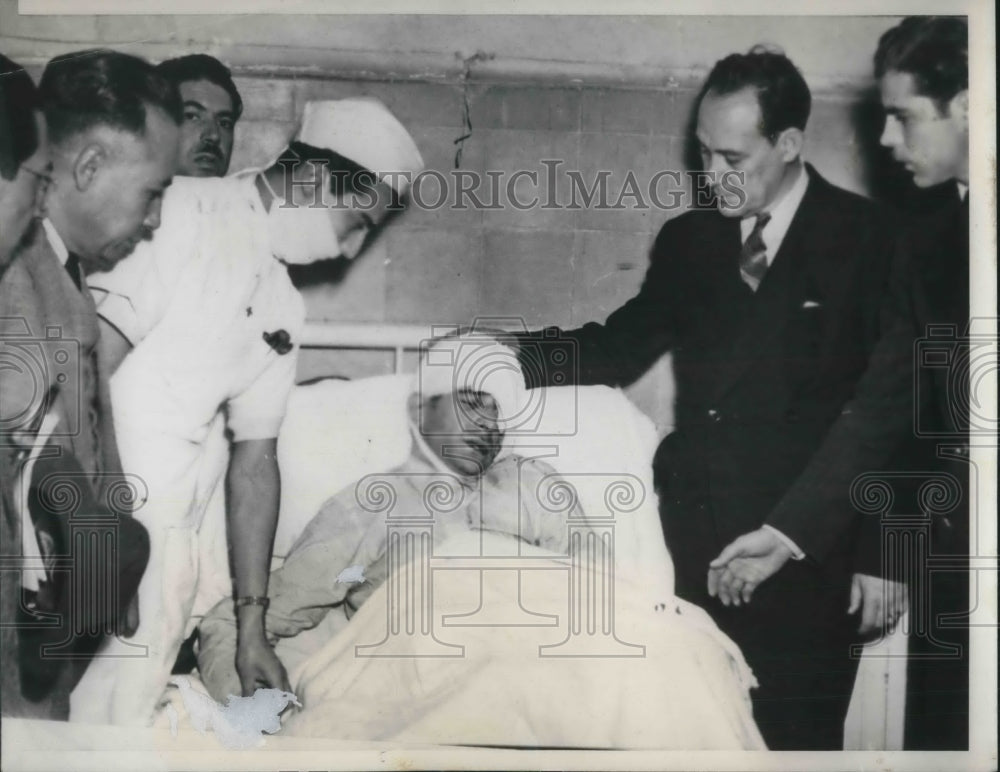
{"points": [[18, 104], [933, 49], [782, 92], [101, 87], [184, 69], [346, 175]]}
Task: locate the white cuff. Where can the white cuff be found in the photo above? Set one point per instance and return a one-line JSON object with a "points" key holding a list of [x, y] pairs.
{"points": [[797, 554]]}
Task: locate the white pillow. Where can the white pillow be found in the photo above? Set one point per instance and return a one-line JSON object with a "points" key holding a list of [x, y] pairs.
{"points": [[335, 432]]}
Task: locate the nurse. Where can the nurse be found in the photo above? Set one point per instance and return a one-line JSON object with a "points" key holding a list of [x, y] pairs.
{"points": [[210, 322]]}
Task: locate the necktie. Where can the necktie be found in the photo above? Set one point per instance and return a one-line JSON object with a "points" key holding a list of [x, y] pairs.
{"points": [[73, 269], [753, 256]]}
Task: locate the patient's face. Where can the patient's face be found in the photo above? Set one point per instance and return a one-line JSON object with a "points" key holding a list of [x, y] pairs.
{"points": [[461, 429]]}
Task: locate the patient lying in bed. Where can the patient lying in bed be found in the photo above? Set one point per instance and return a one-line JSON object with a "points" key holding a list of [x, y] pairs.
{"points": [[458, 459], [487, 602]]}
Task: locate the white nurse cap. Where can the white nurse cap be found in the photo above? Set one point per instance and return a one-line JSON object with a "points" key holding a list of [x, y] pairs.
{"points": [[363, 130]]}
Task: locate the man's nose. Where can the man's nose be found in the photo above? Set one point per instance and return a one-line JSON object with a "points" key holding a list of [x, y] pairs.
{"points": [[210, 130], [892, 133], [715, 165]]}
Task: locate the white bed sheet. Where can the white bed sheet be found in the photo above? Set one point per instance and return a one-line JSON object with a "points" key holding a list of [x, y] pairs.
{"points": [[602, 445]]}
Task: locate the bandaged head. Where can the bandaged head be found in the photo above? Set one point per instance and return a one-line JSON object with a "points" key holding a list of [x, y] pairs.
{"points": [[470, 365]]}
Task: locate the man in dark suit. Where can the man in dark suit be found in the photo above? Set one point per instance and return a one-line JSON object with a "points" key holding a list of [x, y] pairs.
{"points": [[922, 67], [770, 305], [112, 135]]}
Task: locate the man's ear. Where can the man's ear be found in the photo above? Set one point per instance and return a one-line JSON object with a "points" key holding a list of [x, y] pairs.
{"points": [[958, 107], [790, 143], [88, 164]]}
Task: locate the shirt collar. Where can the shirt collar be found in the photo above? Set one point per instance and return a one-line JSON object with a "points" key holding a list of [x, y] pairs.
{"points": [[55, 241], [963, 190], [782, 212]]}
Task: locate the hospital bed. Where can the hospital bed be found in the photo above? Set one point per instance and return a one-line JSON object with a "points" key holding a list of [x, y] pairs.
{"points": [[317, 461], [875, 717]]}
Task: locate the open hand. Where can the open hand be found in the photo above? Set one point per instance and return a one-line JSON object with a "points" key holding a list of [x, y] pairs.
{"points": [[744, 564]]}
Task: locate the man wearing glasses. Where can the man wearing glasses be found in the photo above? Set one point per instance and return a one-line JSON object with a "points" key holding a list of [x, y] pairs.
{"points": [[110, 128]]}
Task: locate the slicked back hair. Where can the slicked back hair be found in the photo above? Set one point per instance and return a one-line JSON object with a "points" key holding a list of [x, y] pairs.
{"points": [[782, 92], [100, 87], [933, 49], [193, 67]]}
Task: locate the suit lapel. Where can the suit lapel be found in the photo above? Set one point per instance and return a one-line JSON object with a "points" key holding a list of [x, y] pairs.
{"points": [[769, 311]]}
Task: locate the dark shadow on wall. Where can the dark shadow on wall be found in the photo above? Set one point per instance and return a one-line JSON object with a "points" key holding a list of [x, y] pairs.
{"points": [[700, 191], [692, 156], [321, 272]]}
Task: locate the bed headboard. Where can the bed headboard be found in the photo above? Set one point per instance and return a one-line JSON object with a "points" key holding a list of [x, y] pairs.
{"points": [[397, 339], [360, 349]]}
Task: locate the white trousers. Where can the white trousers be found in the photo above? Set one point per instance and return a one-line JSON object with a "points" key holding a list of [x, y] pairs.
{"points": [[126, 681]]}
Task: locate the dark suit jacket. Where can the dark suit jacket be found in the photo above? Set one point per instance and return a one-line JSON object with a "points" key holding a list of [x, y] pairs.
{"points": [[760, 376], [931, 282]]}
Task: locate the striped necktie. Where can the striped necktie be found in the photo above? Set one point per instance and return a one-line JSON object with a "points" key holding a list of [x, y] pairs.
{"points": [[73, 269], [753, 256]]}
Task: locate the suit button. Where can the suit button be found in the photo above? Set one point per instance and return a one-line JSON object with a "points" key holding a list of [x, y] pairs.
{"points": [[714, 415], [791, 415]]}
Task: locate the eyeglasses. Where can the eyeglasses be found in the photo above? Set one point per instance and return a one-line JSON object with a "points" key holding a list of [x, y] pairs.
{"points": [[45, 181], [43, 177]]}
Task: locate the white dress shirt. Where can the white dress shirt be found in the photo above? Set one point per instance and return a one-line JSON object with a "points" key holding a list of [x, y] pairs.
{"points": [[55, 241], [782, 212]]}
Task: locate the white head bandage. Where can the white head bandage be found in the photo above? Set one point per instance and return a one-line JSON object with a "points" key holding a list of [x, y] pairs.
{"points": [[475, 362], [363, 130]]}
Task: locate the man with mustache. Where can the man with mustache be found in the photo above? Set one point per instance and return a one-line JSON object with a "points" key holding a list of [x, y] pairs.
{"points": [[212, 106], [770, 305], [883, 433], [458, 407]]}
